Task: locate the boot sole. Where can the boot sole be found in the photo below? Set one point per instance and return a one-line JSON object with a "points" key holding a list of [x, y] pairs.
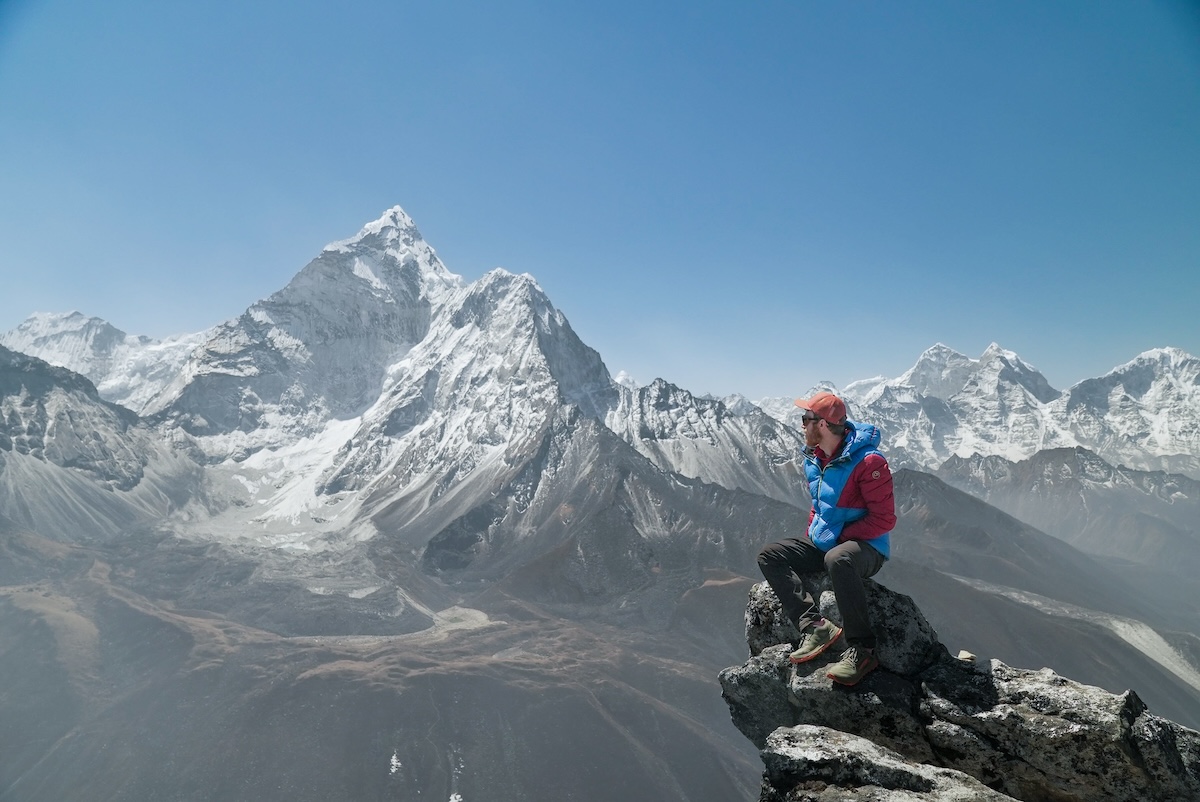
{"points": [[820, 651]]}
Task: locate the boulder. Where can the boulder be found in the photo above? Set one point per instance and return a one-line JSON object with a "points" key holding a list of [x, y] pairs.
{"points": [[906, 642], [821, 765], [925, 725]]}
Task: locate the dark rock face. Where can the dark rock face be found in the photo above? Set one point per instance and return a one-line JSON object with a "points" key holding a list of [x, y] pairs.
{"points": [[925, 725], [55, 416]]}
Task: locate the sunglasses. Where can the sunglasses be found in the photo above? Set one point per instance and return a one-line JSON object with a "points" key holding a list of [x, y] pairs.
{"points": [[807, 419]]}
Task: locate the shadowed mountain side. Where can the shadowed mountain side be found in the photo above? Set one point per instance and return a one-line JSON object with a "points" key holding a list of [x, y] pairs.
{"points": [[1167, 591], [1147, 517], [135, 701], [958, 534], [587, 521], [994, 626]]}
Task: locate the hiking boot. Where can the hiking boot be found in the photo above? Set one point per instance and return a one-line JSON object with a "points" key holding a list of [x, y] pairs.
{"points": [[816, 638], [855, 664]]}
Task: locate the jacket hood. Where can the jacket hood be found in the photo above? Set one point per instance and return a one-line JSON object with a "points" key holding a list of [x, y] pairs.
{"points": [[859, 437]]}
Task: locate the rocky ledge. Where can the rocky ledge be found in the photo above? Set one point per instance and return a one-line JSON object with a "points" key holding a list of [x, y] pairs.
{"points": [[926, 725]]}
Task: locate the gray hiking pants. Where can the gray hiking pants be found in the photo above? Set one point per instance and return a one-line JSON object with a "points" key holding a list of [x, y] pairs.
{"points": [[783, 564]]}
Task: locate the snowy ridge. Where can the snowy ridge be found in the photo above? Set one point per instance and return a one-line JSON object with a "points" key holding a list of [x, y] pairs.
{"points": [[940, 372], [784, 409], [1144, 414], [127, 370], [697, 437]]}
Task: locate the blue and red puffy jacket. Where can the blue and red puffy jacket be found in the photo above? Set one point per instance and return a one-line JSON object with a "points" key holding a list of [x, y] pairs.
{"points": [[851, 492]]}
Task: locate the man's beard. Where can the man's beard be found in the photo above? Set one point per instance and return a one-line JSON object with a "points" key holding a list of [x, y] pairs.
{"points": [[812, 436]]}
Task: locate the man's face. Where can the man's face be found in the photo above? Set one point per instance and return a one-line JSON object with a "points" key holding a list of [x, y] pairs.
{"points": [[812, 429]]}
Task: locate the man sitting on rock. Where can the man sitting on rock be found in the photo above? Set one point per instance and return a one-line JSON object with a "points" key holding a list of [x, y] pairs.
{"points": [[853, 512]]}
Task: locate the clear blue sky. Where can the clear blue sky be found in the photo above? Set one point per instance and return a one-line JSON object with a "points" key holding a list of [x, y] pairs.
{"points": [[745, 196]]}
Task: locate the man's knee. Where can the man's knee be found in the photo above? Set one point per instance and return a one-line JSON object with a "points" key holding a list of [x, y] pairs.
{"points": [[839, 560]]}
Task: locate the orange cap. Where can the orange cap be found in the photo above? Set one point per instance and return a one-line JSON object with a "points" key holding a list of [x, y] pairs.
{"points": [[825, 405]]}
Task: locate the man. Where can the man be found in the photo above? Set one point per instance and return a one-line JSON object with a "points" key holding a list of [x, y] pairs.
{"points": [[853, 512]]}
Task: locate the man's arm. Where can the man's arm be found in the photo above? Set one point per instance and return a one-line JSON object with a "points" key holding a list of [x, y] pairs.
{"points": [[874, 479]]}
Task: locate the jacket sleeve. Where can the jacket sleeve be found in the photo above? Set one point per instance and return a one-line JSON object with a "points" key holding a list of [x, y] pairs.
{"points": [[874, 479]]}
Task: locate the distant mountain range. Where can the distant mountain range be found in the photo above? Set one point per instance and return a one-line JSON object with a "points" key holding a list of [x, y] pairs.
{"points": [[408, 530], [1144, 414]]}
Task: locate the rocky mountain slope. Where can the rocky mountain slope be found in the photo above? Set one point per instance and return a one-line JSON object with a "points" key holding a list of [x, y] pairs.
{"points": [[76, 468]]}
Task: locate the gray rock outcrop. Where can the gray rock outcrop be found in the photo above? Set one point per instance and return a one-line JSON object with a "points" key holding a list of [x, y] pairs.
{"points": [[925, 725]]}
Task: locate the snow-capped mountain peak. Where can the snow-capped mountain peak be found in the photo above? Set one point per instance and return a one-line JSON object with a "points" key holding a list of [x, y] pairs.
{"points": [[508, 307], [376, 335], [383, 251], [625, 380], [939, 372], [1142, 414], [496, 366], [393, 227], [319, 348], [942, 373], [70, 340], [998, 365], [1174, 360], [859, 389]]}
